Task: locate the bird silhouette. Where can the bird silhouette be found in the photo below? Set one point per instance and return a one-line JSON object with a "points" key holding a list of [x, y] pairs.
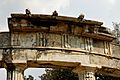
{"points": [[81, 17], [55, 13], [27, 11]]}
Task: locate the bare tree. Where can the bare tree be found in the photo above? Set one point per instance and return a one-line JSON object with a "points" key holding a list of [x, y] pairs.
{"points": [[117, 31]]}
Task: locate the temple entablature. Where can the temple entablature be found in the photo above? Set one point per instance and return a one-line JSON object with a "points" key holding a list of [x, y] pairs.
{"points": [[38, 40]]}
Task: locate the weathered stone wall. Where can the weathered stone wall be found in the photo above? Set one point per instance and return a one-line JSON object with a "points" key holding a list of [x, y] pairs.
{"points": [[115, 51], [41, 39], [61, 47], [4, 43], [46, 40], [105, 61], [4, 39], [49, 55]]}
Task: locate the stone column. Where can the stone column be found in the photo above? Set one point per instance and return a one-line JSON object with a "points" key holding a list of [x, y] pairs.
{"points": [[85, 72], [15, 73], [9, 74], [86, 75]]}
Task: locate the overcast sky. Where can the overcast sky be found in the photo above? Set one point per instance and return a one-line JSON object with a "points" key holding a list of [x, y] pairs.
{"points": [[107, 11]]}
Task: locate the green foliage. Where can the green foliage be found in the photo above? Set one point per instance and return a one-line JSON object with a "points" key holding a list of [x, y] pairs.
{"points": [[65, 74], [103, 77], [59, 74], [29, 78]]}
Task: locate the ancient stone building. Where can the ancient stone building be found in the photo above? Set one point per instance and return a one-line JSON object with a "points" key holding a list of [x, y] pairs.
{"points": [[38, 40]]}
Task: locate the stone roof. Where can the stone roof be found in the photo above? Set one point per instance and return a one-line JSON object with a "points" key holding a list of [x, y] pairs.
{"points": [[56, 18]]}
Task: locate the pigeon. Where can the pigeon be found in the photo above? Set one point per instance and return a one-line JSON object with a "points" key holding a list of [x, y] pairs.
{"points": [[27, 11], [81, 17], [55, 13]]}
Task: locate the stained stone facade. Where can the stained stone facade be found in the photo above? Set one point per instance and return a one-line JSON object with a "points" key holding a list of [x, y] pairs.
{"points": [[38, 40]]}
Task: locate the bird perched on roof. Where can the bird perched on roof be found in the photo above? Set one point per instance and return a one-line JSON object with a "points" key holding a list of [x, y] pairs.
{"points": [[81, 17], [55, 13], [27, 11]]}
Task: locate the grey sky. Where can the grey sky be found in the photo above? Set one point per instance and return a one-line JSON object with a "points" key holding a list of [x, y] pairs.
{"points": [[102, 10], [107, 11]]}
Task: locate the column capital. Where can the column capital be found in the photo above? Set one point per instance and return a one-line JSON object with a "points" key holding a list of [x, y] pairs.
{"points": [[86, 75], [15, 71], [81, 69], [86, 72]]}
